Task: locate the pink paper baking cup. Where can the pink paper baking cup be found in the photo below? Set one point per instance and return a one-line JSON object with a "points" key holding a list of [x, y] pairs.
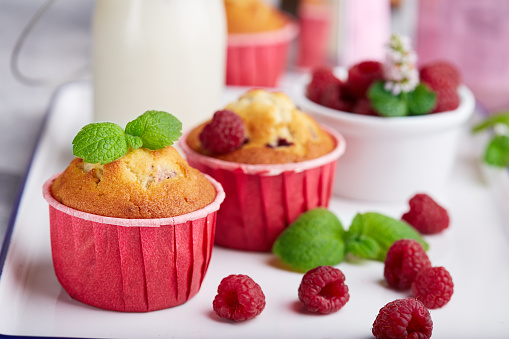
{"points": [[258, 59], [131, 265], [314, 30], [262, 200]]}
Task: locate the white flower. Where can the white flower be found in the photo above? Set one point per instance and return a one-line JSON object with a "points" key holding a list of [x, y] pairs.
{"points": [[400, 71]]}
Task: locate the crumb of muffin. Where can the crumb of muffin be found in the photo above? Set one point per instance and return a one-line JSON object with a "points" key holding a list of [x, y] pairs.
{"points": [[276, 131], [143, 184]]}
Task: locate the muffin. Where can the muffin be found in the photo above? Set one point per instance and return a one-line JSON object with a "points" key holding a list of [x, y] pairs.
{"points": [[284, 165], [259, 37], [134, 234]]}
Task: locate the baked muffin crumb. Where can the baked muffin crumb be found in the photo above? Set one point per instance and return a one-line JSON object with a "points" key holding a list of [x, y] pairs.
{"points": [[143, 184]]}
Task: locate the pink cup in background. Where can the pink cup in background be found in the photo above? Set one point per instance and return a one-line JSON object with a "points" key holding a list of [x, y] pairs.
{"points": [[262, 200], [131, 265], [258, 59], [314, 29]]}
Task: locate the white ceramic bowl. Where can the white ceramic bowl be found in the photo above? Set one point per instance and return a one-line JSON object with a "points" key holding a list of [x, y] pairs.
{"points": [[391, 159]]}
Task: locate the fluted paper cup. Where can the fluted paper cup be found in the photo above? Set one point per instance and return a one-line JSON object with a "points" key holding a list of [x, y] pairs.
{"points": [[258, 59], [131, 265], [262, 200]]}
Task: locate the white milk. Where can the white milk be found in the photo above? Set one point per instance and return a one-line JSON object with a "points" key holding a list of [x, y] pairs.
{"points": [[166, 55]]}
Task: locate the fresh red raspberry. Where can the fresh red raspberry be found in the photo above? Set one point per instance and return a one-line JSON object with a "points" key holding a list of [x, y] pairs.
{"points": [[433, 286], [322, 78], [440, 74], [362, 75], [403, 318], [323, 290], [363, 106], [447, 100], [403, 261], [223, 134], [426, 215], [332, 98], [238, 298]]}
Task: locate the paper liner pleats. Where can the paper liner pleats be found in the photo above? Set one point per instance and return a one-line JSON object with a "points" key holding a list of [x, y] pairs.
{"points": [[262, 200], [258, 59], [131, 265]]}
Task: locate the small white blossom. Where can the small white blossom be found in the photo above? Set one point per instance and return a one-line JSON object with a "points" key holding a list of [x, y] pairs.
{"points": [[400, 69]]}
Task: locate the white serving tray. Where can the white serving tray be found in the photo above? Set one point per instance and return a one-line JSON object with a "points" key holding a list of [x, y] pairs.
{"points": [[475, 249]]}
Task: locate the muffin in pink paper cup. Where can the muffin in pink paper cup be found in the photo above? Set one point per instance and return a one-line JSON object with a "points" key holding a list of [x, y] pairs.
{"points": [[273, 161], [131, 223], [259, 39]]}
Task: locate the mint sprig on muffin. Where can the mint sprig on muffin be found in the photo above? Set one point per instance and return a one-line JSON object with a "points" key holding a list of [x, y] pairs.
{"points": [[104, 142]]}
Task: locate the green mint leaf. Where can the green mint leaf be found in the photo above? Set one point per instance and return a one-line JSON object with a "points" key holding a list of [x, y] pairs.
{"points": [[101, 142], [134, 142], [497, 151], [386, 103], [421, 100], [371, 234], [314, 239], [501, 118], [156, 129]]}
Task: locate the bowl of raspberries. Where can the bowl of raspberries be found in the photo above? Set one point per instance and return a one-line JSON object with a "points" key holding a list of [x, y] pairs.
{"points": [[402, 122]]}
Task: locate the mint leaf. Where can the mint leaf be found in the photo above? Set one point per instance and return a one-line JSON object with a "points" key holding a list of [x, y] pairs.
{"points": [[101, 142], [134, 142], [497, 151], [314, 239], [371, 234], [386, 103], [421, 100], [156, 129], [501, 118]]}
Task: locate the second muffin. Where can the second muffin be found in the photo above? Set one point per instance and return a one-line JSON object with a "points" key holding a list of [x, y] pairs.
{"points": [[283, 165]]}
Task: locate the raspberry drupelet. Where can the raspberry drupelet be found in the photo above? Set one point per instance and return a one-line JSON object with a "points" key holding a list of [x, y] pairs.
{"points": [[238, 298], [323, 290]]}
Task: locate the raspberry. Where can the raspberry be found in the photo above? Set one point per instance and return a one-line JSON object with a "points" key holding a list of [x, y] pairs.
{"points": [[404, 260], [323, 290], [403, 318], [440, 74], [223, 134], [433, 286], [238, 298], [331, 97], [363, 106], [447, 100], [322, 79], [362, 75], [425, 215]]}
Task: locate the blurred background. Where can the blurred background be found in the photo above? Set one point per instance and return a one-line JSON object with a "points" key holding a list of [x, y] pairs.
{"points": [[473, 34]]}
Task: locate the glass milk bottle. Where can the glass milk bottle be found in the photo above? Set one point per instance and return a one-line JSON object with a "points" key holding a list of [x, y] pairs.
{"points": [[166, 55]]}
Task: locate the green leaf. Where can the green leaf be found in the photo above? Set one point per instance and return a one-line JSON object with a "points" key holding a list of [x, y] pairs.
{"points": [[501, 118], [371, 234], [156, 129], [134, 142], [386, 103], [497, 151], [101, 142], [421, 100], [314, 239]]}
